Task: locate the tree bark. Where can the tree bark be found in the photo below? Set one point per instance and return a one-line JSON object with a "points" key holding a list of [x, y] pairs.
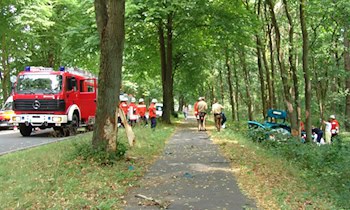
{"points": [[284, 74], [296, 130], [110, 25], [167, 101], [247, 85], [306, 71], [259, 46], [269, 103], [271, 74], [230, 86], [261, 76], [166, 67], [347, 69], [236, 87], [222, 91], [272, 63]]}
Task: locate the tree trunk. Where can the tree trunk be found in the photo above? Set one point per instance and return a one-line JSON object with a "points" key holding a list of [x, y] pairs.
{"points": [[259, 46], [163, 65], [284, 74], [4, 76], [230, 87], [268, 78], [347, 69], [306, 71], [272, 63], [222, 91], [236, 88], [261, 76], [110, 25], [167, 68], [181, 103], [247, 84], [296, 131]]}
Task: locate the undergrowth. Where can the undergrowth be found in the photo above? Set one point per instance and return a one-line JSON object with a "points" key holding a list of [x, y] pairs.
{"points": [[325, 168]]}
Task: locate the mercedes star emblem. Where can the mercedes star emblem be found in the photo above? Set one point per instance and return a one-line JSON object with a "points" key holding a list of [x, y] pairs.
{"points": [[36, 104]]}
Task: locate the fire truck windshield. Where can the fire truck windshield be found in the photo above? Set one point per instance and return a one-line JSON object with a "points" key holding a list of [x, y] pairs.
{"points": [[39, 83]]}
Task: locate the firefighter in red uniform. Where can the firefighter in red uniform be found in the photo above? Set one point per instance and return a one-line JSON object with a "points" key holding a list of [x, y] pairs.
{"points": [[152, 113], [335, 126], [195, 108], [132, 111], [124, 107], [141, 111]]}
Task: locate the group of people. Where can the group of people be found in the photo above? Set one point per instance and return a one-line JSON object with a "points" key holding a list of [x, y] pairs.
{"points": [[331, 130], [136, 113], [200, 112]]}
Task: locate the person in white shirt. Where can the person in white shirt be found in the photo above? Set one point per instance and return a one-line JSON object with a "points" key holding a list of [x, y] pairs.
{"points": [[328, 132], [202, 112], [217, 111]]}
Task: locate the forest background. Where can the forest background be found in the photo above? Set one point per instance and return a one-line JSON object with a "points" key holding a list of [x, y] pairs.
{"points": [[251, 55]]}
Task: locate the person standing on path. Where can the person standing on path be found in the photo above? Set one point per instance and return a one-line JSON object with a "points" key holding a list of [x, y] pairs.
{"points": [[185, 111], [141, 111], [152, 113], [202, 112], [217, 111]]}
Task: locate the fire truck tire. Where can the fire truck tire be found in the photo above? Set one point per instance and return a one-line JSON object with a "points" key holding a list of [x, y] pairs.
{"points": [[73, 125], [59, 132], [25, 130]]}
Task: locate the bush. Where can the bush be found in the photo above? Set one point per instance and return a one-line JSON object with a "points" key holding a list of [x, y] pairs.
{"points": [[325, 168], [85, 151]]}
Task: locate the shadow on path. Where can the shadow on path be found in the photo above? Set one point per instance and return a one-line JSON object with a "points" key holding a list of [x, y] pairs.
{"points": [[191, 174]]}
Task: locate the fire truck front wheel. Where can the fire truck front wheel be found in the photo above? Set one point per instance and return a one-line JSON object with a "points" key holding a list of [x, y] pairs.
{"points": [[73, 125], [25, 130]]}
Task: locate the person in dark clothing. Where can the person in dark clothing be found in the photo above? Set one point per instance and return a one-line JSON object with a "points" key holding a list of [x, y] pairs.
{"points": [[319, 133], [223, 120]]}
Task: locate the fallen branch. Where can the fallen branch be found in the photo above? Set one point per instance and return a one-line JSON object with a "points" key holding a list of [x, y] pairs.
{"points": [[159, 203]]}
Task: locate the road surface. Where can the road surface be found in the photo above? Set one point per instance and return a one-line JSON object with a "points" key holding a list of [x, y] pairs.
{"points": [[11, 140]]}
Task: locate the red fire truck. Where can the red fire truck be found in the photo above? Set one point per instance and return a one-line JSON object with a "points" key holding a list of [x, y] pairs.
{"points": [[63, 100]]}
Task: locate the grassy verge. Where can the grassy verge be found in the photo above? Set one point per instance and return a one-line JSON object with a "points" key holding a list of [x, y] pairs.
{"points": [[273, 182], [48, 177]]}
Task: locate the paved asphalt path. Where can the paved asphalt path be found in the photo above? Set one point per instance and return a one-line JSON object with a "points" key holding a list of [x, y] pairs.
{"points": [[191, 174], [11, 141]]}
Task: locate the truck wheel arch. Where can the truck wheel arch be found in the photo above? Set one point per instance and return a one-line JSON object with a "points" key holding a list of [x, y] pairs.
{"points": [[71, 110]]}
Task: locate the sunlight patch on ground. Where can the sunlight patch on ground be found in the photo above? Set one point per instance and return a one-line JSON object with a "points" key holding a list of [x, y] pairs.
{"points": [[206, 168]]}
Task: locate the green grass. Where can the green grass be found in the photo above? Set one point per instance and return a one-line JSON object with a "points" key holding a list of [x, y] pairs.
{"points": [[273, 181], [47, 177]]}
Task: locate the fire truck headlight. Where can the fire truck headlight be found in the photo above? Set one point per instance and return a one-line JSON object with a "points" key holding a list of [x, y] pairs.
{"points": [[16, 118], [57, 119]]}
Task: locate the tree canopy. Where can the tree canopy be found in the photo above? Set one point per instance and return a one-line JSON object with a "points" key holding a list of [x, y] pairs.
{"points": [[248, 54]]}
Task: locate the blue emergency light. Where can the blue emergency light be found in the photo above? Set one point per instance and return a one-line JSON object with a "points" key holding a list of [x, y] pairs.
{"points": [[61, 68], [27, 68]]}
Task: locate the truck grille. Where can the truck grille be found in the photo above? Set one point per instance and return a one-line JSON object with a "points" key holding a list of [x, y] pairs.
{"points": [[39, 105]]}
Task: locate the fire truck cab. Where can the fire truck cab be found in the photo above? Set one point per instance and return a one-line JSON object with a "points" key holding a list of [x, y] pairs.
{"points": [[63, 100]]}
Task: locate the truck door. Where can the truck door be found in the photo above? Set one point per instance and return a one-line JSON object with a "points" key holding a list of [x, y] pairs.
{"points": [[87, 98], [71, 91]]}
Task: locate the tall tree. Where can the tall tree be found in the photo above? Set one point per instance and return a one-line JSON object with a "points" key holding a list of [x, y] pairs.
{"points": [[293, 70], [230, 85], [284, 74], [248, 96], [306, 71], [110, 24]]}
